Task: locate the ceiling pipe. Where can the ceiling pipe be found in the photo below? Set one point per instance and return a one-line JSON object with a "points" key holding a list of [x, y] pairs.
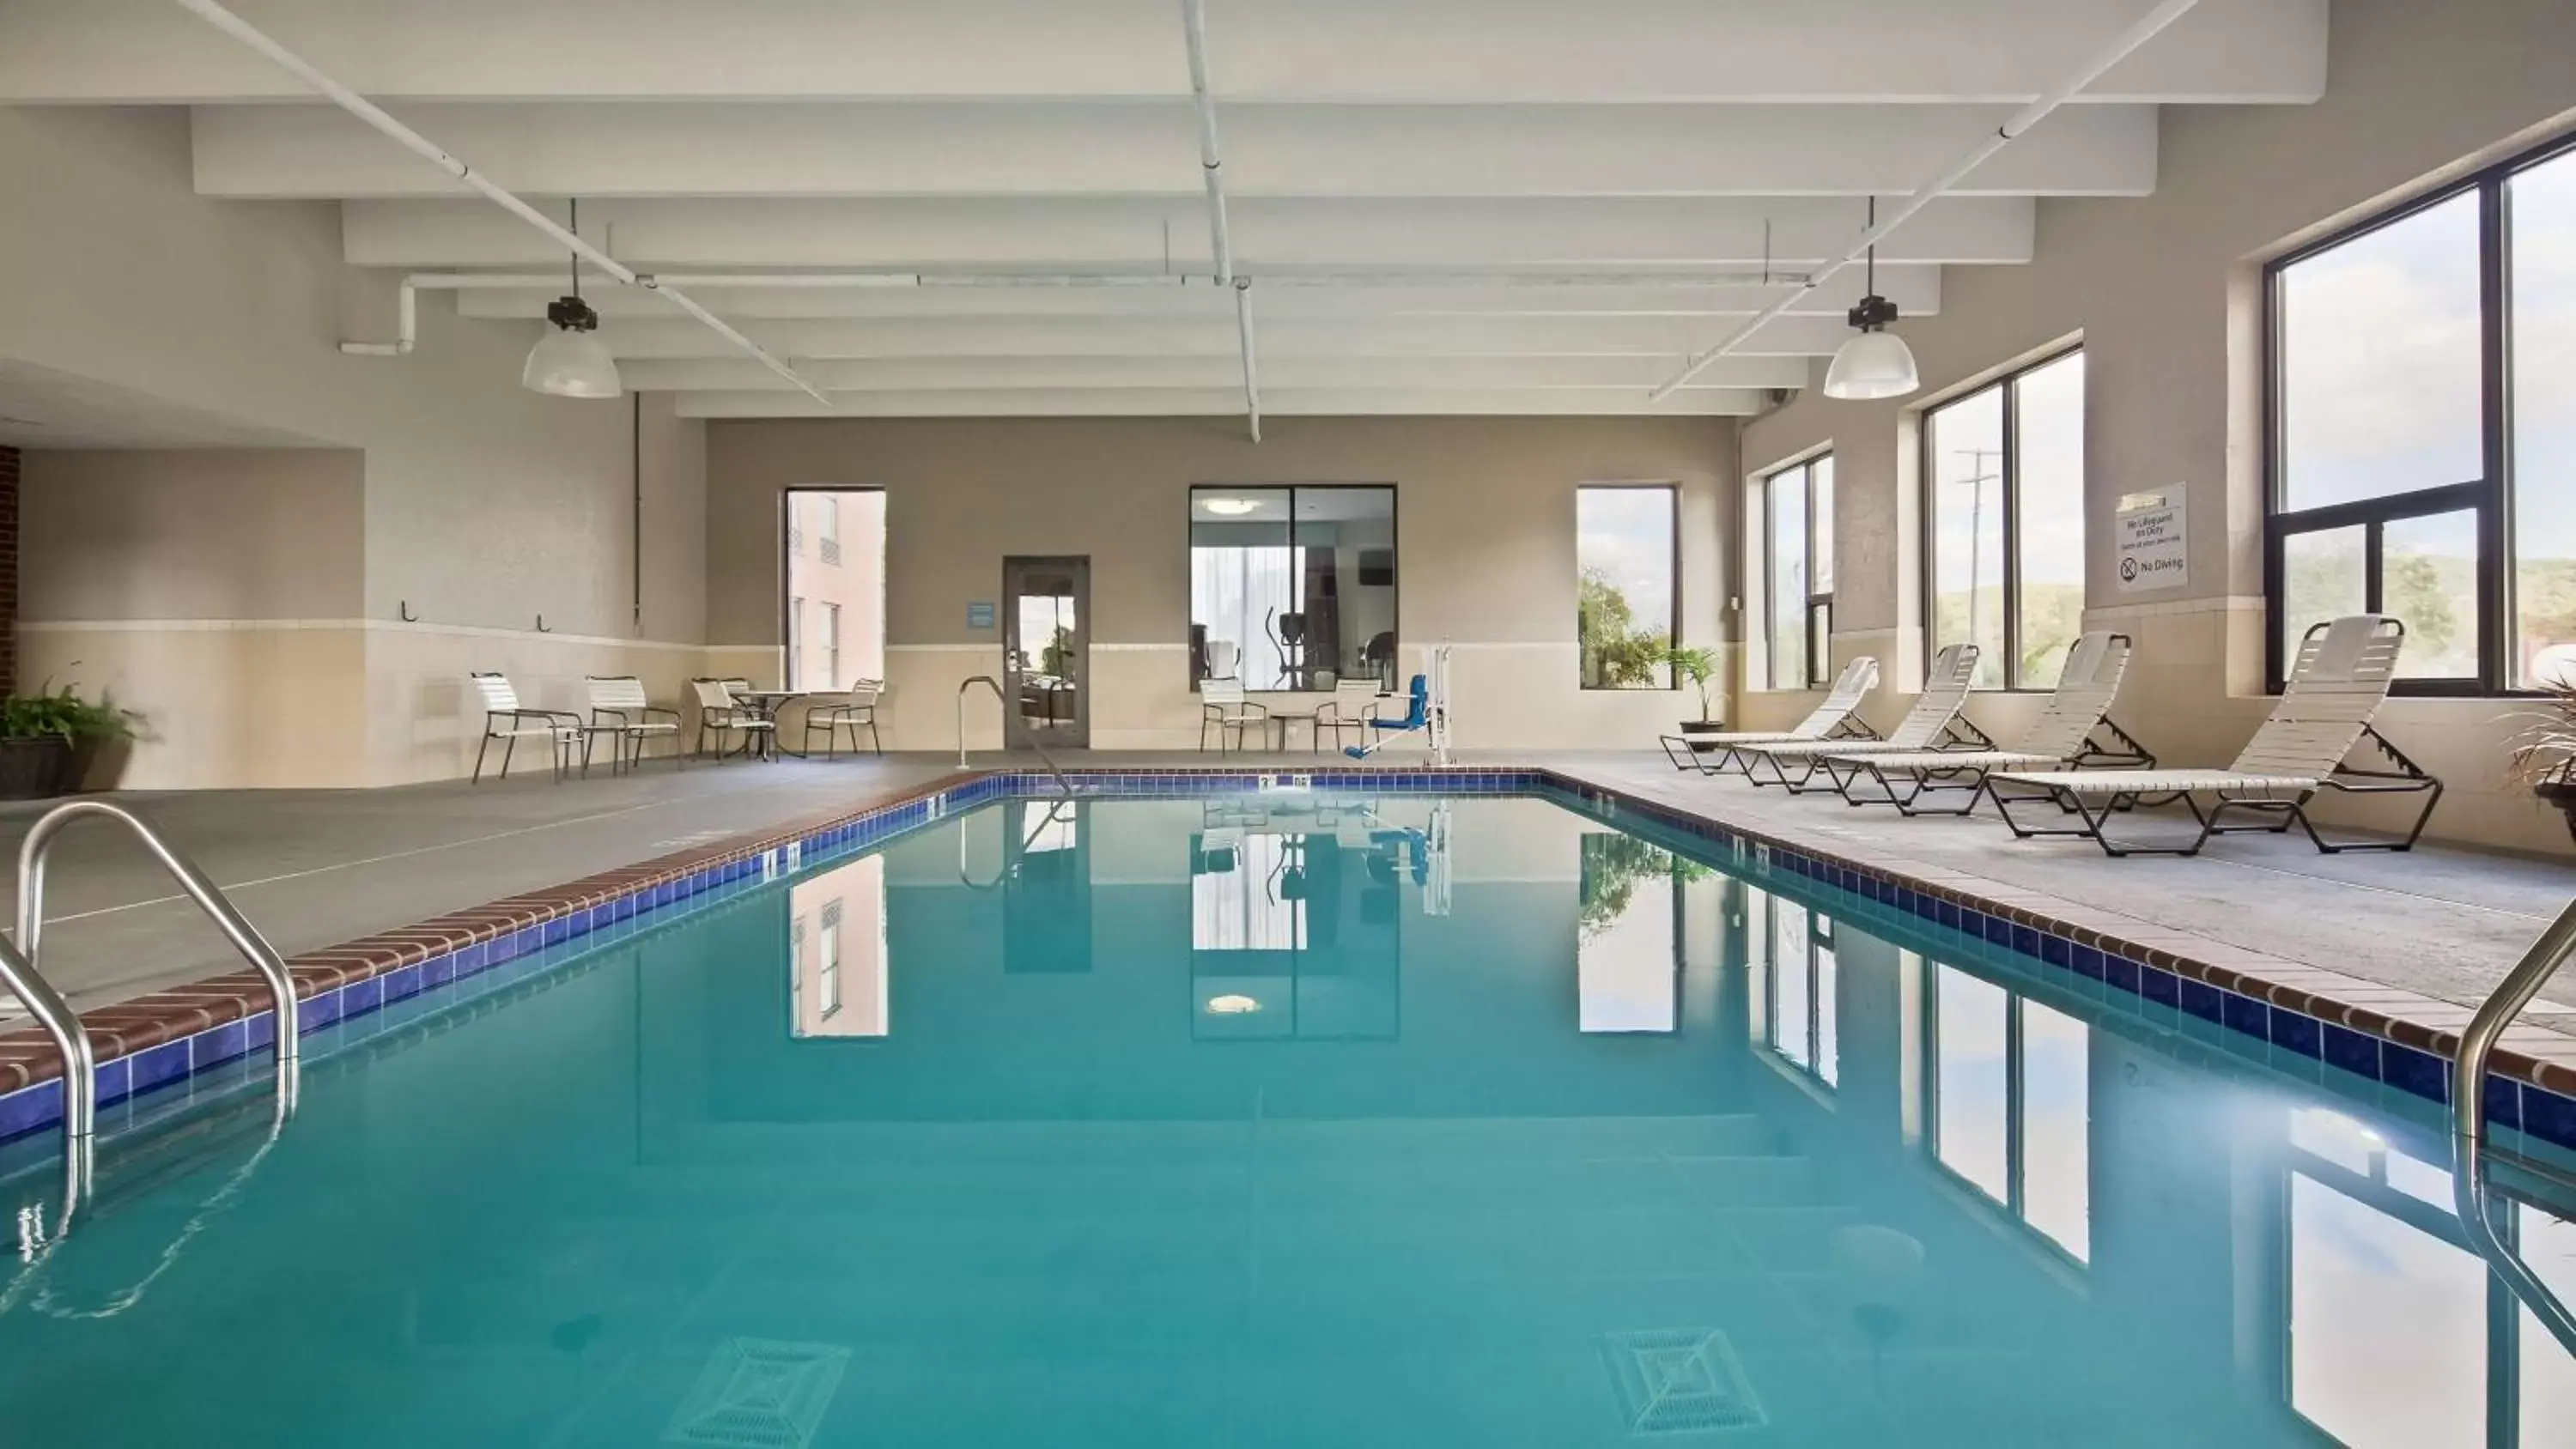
{"points": [[1212, 167], [365, 110], [2147, 28]]}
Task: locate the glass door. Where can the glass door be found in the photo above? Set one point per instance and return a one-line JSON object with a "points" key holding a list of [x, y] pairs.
{"points": [[1046, 648]]}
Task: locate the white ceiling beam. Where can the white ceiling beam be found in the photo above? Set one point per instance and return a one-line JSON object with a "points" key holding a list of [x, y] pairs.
{"points": [[1068, 235], [137, 51], [1150, 149], [1213, 335], [992, 374], [1916, 290], [1218, 402]]}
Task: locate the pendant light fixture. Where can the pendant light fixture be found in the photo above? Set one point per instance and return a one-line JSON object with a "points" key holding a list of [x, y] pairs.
{"points": [[570, 360], [1877, 363]]}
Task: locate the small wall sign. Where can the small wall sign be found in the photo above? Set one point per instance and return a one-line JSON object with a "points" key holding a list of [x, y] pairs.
{"points": [[2152, 550], [979, 615]]}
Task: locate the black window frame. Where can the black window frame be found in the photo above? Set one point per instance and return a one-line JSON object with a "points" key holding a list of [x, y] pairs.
{"points": [[1818, 665], [2490, 495], [1394, 547], [1672, 492], [2010, 507]]}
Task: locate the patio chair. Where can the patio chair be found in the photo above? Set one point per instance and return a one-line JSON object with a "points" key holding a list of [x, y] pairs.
{"points": [[619, 710], [1935, 722], [1222, 707], [2336, 684], [852, 709], [1838, 718], [2070, 733], [505, 719], [1353, 701], [720, 714]]}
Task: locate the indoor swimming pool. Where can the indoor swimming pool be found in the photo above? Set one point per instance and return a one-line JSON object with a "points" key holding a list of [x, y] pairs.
{"points": [[1284, 1119]]}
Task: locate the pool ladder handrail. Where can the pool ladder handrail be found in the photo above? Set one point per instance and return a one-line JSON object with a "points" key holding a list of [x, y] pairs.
{"points": [[2469, 1071], [995, 685], [21, 969], [2470, 1199]]}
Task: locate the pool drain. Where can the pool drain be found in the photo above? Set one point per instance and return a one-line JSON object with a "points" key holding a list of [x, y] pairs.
{"points": [[759, 1394], [1679, 1381]]}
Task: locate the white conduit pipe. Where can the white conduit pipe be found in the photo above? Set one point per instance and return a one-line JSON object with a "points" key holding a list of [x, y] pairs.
{"points": [[421, 146], [2146, 29], [1212, 166]]}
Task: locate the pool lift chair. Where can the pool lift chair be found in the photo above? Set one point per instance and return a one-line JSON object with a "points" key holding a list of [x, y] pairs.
{"points": [[1426, 711]]}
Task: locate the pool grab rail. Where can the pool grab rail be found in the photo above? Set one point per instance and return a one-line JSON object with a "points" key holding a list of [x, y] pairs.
{"points": [[995, 685], [2471, 1198], [2469, 1071], [21, 969]]}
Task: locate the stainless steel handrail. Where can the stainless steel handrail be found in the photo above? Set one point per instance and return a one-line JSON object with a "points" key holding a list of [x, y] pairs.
{"points": [[2478, 1038], [995, 685], [2469, 1198], [80, 1069], [80, 1087]]}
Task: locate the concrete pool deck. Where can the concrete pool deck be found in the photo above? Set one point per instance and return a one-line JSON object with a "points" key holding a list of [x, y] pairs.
{"points": [[314, 868]]}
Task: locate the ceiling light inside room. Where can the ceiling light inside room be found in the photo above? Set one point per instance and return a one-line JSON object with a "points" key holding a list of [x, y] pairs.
{"points": [[570, 360], [1230, 507], [1876, 363]]}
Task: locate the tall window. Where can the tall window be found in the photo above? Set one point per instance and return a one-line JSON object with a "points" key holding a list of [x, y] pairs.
{"points": [[2011, 1104], [2004, 477], [1798, 561], [2423, 430], [1293, 588], [832, 647], [1789, 953], [834, 577], [1626, 611], [827, 527]]}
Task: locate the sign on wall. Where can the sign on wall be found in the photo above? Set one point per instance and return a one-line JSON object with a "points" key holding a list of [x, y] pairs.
{"points": [[2152, 552], [979, 615]]}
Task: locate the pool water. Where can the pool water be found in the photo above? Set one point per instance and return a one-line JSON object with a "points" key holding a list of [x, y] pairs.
{"points": [[1286, 1120]]}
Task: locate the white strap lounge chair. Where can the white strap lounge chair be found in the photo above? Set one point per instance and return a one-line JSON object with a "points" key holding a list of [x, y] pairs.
{"points": [[721, 714], [2069, 734], [619, 710], [1222, 707], [1934, 721], [2336, 684], [505, 719], [1838, 718]]}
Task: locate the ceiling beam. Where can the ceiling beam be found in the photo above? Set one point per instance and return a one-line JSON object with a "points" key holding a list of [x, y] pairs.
{"points": [[1218, 402], [1150, 149], [1916, 290], [1213, 335], [996, 374], [138, 52], [1080, 235]]}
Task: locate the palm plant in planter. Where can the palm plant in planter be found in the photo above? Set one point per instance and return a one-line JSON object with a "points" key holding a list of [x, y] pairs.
{"points": [[1698, 664], [48, 738], [2544, 756]]}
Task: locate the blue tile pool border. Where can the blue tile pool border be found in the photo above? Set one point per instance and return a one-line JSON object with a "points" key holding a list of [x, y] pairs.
{"points": [[428, 963]]}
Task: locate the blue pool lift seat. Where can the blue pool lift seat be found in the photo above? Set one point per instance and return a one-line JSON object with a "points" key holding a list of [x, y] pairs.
{"points": [[1417, 715]]}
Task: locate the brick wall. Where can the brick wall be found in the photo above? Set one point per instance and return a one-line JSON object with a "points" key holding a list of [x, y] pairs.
{"points": [[8, 568]]}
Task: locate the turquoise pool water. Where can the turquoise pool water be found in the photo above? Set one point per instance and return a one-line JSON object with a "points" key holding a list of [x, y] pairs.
{"points": [[1284, 1120]]}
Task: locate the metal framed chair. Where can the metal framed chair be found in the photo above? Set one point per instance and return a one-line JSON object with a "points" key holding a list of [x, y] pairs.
{"points": [[505, 719], [1353, 701], [1935, 721], [855, 709], [619, 710], [720, 714], [1222, 707], [1837, 718], [2074, 731]]}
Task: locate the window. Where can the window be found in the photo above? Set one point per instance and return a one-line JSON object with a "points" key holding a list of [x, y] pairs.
{"points": [[1293, 588], [1626, 611], [1789, 951], [1627, 945], [827, 528], [2004, 476], [832, 646], [796, 637], [2011, 1104], [827, 981], [1798, 521], [2423, 431], [835, 589]]}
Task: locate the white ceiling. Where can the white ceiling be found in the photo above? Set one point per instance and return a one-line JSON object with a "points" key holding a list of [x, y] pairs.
{"points": [[1441, 205]]}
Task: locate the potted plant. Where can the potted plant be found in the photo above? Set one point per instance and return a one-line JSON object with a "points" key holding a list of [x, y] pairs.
{"points": [[2544, 756], [1698, 664], [49, 738]]}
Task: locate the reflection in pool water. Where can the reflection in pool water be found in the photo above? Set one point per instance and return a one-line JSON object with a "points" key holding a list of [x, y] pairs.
{"points": [[1292, 1121]]}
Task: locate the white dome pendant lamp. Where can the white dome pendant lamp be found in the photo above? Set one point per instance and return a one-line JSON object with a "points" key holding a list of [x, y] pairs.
{"points": [[1876, 363], [570, 360]]}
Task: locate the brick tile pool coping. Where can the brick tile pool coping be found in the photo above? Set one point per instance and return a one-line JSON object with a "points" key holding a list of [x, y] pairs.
{"points": [[2303, 1013]]}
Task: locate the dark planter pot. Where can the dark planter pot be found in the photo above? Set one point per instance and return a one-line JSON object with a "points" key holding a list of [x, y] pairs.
{"points": [[1703, 726], [2561, 793], [32, 769]]}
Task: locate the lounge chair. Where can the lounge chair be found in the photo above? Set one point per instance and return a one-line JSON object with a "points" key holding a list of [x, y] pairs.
{"points": [[2070, 733], [1935, 720], [619, 710], [504, 718], [720, 713], [1222, 707], [2336, 684], [1838, 718]]}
